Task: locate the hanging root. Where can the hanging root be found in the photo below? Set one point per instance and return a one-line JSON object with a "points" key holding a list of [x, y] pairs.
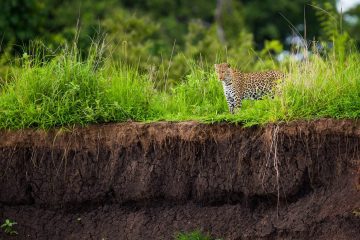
{"points": [[274, 152], [272, 156]]}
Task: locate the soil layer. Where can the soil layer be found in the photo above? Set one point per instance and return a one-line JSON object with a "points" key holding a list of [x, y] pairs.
{"points": [[299, 180]]}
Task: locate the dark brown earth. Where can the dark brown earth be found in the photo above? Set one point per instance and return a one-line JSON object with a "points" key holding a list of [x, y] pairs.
{"points": [[149, 181]]}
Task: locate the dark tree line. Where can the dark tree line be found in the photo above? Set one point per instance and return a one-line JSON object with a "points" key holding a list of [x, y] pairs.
{"points": [[54, 21]]}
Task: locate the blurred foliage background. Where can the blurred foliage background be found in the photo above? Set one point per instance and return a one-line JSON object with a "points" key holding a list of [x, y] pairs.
{"points": [[161, 36]]}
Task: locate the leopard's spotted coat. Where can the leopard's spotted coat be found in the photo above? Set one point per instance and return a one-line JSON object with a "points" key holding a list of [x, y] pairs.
{"points": [[238, 85]]}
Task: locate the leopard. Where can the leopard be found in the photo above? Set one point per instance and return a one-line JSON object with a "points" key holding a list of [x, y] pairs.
{"points": [[240, 85]]}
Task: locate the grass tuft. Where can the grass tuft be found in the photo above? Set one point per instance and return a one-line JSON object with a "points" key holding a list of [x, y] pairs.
{"points": [[68, 91]]}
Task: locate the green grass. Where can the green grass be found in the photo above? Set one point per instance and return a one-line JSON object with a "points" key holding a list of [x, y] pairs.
{"points": [[67, 90], [195, 235]]}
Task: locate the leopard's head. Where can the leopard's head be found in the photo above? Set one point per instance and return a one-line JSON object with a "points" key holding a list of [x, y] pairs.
{"points": [[223, 72]]}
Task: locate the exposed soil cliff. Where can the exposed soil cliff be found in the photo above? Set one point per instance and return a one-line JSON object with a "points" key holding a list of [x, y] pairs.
{"points": [[148, 181]]}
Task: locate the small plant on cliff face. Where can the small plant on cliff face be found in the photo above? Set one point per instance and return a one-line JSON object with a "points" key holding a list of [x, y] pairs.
{"points": [[8, 227], [195, 235], [356, 212]]}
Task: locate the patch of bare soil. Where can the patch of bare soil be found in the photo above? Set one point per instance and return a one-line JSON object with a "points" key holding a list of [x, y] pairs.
{"points": [[149, 181]]}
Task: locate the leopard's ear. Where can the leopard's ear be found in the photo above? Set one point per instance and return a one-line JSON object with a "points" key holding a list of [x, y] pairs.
{"points": [[228, 64]]}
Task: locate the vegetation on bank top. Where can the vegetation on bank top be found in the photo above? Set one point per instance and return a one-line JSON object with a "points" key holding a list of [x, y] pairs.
{"points": [[45, 88], [64, 90]]}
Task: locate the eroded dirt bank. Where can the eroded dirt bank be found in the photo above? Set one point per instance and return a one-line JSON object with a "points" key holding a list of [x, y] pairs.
{"points": [[149, 181]]}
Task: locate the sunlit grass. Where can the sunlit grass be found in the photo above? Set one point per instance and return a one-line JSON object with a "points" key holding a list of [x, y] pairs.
{"points": [[67, 90]]}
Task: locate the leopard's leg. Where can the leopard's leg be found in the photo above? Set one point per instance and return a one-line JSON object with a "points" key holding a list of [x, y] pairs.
{"points": [[238, 104], [231, 107], [231, 103]]}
